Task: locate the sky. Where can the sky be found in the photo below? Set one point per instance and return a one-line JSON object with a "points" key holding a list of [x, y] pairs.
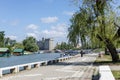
{"points": [[38, 18]]}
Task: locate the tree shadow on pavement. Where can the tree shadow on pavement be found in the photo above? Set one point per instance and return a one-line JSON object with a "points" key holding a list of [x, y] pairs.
{"points": [[72, 63], [106, 63]]}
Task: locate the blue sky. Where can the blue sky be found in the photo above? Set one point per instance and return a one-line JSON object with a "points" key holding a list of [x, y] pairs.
{"points": [[38, 18]]}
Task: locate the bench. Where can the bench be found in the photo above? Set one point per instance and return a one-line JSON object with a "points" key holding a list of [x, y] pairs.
{"points": [[105, 73]]}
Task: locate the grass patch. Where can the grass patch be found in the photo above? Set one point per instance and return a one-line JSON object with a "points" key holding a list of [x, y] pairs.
{"points": [[98, 50], [116, 74], [105, 60]]}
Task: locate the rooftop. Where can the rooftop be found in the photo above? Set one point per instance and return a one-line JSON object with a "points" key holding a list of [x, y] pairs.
{"points": [[3, 49], [18, 50]]}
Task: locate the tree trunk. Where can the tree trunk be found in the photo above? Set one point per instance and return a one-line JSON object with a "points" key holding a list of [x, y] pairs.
{"points": [[106, 51], [112, 50]]}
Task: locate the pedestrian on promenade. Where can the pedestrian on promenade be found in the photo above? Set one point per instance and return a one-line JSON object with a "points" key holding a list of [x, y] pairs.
{"points": [[81, 53]]}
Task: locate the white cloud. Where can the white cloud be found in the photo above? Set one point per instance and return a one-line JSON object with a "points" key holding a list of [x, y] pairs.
{"points": [[32, 31], [36, 32], [68, 13], [59, 27], [53, 33], [31, 34], [32, 27], [60, 30], [12, 37], [49, 19]]}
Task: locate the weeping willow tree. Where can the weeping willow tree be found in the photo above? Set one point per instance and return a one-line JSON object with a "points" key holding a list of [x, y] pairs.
{"points": [[83, 29], [95, 22], [76, 31]]}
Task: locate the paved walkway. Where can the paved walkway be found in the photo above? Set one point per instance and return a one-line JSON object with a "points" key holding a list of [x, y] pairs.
{"points": [[79, 68], [115, 67]]}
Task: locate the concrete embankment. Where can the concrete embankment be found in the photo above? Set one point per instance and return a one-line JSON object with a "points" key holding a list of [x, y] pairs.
{"points": [[28, 66]]}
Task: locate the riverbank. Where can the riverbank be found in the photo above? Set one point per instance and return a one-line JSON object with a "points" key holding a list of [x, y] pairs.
{"points": [[76, 68], [28, 66], [16, 60]]}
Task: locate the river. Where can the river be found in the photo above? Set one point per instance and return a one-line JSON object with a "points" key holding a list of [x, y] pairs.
{"points": [[16, 60]]}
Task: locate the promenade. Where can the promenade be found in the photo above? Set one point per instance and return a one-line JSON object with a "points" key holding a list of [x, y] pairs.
{"points": [[78, 68]]}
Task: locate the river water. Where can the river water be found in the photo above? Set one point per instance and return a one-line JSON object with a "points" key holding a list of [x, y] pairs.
{"points": [[16, 60]]}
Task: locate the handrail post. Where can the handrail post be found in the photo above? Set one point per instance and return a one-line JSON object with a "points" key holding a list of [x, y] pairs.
{"points": [[1, 73]]}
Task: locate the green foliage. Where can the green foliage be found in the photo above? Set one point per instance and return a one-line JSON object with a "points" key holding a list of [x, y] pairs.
{"points": [[10, 48], [30, 44], [64, 46], [19, 45], [78, 28], [9, 42], [92, 24], [116, 74], [95, 24], [2, 38]]}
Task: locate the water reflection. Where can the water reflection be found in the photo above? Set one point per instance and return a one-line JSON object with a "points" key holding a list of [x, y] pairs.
{"points": [[16, 60]]}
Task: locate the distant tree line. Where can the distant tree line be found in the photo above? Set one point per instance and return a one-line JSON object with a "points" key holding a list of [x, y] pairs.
{"points": [[28, 44], [64, 46]]}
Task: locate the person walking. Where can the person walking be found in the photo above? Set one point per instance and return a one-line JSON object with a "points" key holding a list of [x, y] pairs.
{"points": [[81, 53]]}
